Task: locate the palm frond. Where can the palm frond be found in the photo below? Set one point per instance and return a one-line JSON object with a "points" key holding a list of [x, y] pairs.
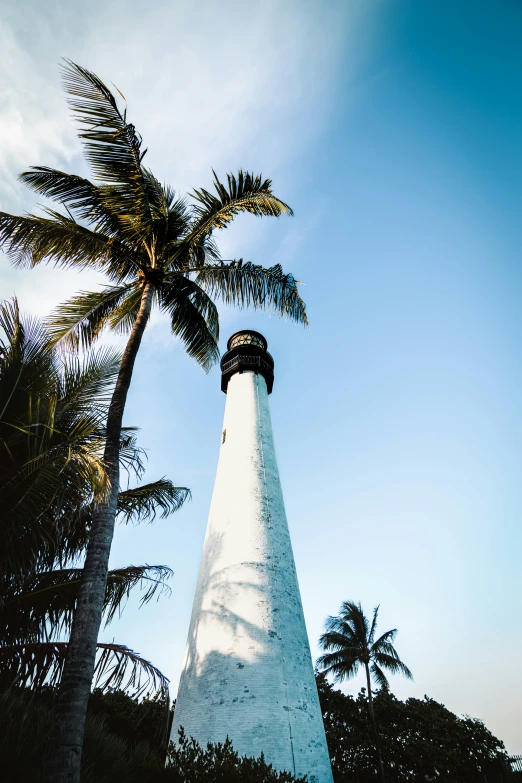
{"points": [[46, 476], [32, 663], [373, 628], [80, 321], [132, 456], [26, 360], [23, 337], [87, 382], [140, 503], [343, 666], [353, 615], [120, 667], [393, 664], [59, 239], [336, 640], [337, 623], [244, 193], [123, 316], [117, 666], [121, 581], [158, 197], [244, 284], [75, 193], [70, 529], [43, 606], [178, 220], [387, 638], [379, 676], [112, 146], [194, 318]]}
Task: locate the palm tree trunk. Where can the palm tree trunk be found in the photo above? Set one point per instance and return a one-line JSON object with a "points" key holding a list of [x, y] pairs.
{"points": [[374, 725], [63, 760]]}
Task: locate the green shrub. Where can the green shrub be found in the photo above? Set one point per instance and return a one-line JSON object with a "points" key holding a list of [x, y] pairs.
{"points": [[188, 762], [124, 743]]}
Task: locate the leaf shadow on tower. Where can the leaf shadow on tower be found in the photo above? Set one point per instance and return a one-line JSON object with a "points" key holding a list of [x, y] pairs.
{"points": [[230, 660], [220, 594]]}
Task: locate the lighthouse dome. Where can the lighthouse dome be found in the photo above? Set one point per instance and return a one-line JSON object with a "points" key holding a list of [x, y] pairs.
{"points": [[247, 337]]}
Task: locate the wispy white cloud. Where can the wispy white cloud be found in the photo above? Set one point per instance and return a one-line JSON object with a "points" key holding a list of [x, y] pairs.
{"points": [[224, 85], [33, 120], [222, 82]]}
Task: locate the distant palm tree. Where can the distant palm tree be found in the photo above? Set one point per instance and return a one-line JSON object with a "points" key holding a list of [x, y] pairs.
{"points": [[156, 249], [350, 643]]}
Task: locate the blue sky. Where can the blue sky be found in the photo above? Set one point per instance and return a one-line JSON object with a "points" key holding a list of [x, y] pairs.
{"points": [[393, 129]]}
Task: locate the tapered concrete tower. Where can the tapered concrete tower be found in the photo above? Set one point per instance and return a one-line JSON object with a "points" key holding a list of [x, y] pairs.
{"points": [[248, 671]]}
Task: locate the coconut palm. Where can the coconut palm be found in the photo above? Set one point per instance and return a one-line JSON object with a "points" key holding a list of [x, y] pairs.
{"points": [[156, 248], [51, 473], [350, 642]]}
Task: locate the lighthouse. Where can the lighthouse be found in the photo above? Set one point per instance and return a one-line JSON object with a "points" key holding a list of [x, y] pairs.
{"points": [[248, 671]]}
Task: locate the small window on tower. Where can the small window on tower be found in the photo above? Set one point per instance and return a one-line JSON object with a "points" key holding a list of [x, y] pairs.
{"points": [[224, 436]]}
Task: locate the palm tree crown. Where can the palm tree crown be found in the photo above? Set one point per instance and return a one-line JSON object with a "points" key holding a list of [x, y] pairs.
{"points": [[350, 641], [141, 232]]}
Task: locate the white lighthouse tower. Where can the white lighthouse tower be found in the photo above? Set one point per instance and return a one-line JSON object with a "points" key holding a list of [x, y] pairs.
{"points": [[248, 671]]}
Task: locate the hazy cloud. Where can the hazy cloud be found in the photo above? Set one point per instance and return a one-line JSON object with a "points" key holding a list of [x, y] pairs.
{"points": [[207, 84]]}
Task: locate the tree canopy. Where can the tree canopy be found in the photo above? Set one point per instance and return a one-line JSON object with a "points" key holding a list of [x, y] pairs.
{"points": [[413, 733]]}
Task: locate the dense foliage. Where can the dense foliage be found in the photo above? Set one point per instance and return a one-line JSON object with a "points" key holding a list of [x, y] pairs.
{"points": [[109, 757], [124, 742], [413, 733], [187, 762], [52, 416]]}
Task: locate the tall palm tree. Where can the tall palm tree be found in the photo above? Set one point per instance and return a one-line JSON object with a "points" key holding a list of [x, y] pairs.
{"points": [[350, 642], [53, 410], [156, 248]]}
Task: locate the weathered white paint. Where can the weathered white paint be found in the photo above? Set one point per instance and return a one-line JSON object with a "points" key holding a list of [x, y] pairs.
{"points": [[248, 671]]}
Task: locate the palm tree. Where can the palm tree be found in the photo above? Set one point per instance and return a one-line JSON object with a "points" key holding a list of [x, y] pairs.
{"points": [[51, 442], [156, 248], [350, 642]]}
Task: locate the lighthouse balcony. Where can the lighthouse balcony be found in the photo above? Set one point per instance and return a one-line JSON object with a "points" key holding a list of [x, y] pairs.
{"points": [[247, 361]]}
